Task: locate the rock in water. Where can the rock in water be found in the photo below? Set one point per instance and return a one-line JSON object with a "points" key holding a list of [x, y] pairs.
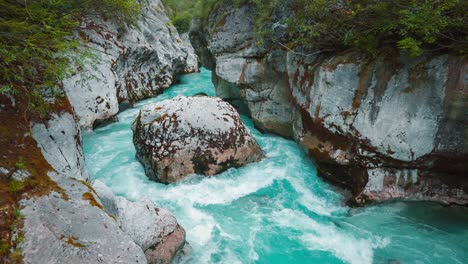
{"points": [[185, 135], [155, 230]]}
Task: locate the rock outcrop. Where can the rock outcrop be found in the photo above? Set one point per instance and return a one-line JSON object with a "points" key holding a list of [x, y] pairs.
{"points": [[127, 63], [65, 220], [248, 76], [48, 211], [186, 135], [60, 142], [155, 230], [72, 227], [386, 128]]}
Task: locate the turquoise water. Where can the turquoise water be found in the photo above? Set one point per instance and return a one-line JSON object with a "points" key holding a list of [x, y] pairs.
{"points": [[277, 210]]}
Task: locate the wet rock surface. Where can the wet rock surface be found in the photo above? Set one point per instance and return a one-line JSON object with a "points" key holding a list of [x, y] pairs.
{"points": [[185, 135]]}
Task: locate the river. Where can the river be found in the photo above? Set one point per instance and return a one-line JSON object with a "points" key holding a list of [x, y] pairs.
{"points": [[277, 210]]}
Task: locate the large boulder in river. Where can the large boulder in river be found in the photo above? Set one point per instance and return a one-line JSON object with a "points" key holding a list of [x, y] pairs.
{"points": [[186, 135]]}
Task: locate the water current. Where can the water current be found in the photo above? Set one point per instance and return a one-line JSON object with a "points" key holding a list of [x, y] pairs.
{"points": [[277, 210]]}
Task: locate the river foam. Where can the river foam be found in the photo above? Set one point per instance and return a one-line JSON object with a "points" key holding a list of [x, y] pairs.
{"points": [[277, 210]]}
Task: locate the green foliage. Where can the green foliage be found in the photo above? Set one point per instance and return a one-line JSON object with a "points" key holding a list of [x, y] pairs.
{"points": [[4, 248], [182, 22], [365, 25], [36, 40], [16, 186], [410, 45], [182, 12], [18, 214], [19, 239], [370, 25], [16, 255], [20, 165]]}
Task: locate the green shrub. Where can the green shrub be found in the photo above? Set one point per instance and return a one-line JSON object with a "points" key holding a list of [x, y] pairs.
{"points": [[36, 40], [16, 186], [366, 25], [370, 25], [20, 164], [182, 22], [182, 12]]}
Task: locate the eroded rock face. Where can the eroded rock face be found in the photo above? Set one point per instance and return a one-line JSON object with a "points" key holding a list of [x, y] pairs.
{"points": [[386, 128], [186, 135], [253, 78], [66, 222], [381, 126], [60, 140], [128, 63], [155, 230], [72, 227]]}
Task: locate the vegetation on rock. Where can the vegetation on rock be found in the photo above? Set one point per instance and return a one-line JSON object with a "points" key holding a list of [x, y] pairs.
{"points": [[37, 47], [369, 26], [37, 44], [181, 12]]}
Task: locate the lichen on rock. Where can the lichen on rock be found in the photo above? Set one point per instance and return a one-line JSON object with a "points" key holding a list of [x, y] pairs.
{"points": [[155, 230], [186, 135]]}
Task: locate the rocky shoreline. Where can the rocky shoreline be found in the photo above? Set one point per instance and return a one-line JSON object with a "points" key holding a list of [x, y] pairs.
{"points": [[54, 214]]}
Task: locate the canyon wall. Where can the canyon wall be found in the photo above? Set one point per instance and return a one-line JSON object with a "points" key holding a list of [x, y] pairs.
{"points": [[50, 213], [387, 127], [126, 62]]}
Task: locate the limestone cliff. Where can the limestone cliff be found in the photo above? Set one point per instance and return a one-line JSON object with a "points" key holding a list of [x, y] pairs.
{"points": [[127, 63], [49, 211], [388, 127]]}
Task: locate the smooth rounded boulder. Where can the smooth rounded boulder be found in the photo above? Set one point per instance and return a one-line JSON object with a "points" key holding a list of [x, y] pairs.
{"points": [[185, 135]]}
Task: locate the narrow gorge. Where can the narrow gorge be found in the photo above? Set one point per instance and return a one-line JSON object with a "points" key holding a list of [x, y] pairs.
{"points": [[217, 142]]}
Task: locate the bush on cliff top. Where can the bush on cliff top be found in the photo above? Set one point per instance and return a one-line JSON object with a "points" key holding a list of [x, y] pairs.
{"points": [[181, 12], [36, 40], [370, 25], [365, 25]]}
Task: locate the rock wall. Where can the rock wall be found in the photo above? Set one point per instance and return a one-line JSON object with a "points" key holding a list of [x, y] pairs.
{"points": [[76, 223], [390, 127], [126, 63], [49, 211], [249, 76], [382, 126]]}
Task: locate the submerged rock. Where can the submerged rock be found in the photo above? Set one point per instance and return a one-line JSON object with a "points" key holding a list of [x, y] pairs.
{"points": [[186, 135]]}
